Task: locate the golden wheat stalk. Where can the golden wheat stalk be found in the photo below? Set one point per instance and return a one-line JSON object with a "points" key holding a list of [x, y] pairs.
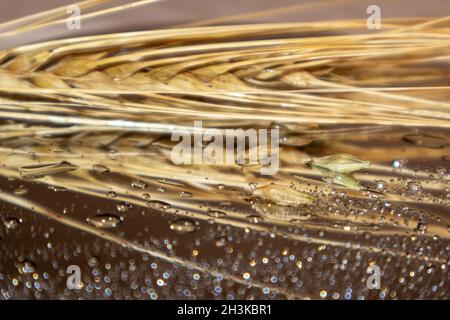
{"points": [[203, 73]]}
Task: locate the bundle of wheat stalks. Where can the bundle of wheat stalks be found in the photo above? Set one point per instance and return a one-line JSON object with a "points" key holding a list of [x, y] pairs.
{"points": [[108, 102], [251, 74]]}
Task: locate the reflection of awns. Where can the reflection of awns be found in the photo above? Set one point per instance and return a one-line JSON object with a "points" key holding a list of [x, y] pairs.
{"points": [[230, 146], [374, 280], [74, 280]]}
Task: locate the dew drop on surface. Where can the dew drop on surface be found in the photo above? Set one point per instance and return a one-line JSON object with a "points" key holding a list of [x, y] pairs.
{"points": [[185, 194], [380, 185], [146, 196], [100, 169], [216, 214], [254, 218], [21, 191], [373, 194], [57, 188], [123, 206], [93, 261], [221, 241], [137, 184], [295, 140], [414, 187], [398, 164], [300, 218], [105, 220], [11, 222], [112, 154], [26, 266], [421, 227], [158, 205], [111, 194], [282, 195], [182, 226]]}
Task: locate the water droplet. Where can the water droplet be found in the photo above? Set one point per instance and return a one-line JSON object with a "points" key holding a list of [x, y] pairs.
{"points": [[137, 184], [111, 194], [398, 164], [295, 140], [216, 214], [414, 187], [282, 195], [185, 194], [57, 188], [183, 226], [254, 218], [11, 222], [300, 218], [112, 154], [380, 185], [20, 191], [105, 220], [421, 227], [93, 261], [100, 169], [158, 205], [123, 206], [221, 241], [146, 196], [26, 266], [269, 210]]}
